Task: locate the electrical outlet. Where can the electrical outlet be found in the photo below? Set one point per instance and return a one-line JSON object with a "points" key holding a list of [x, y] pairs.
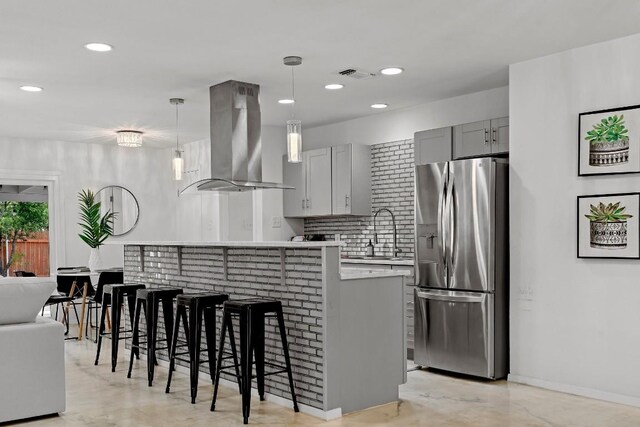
{"points": [[248, 225], [276, 222]]}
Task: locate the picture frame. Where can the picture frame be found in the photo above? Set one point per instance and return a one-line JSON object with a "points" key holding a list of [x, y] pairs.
{"points": [[608, 226], [609, 141]]}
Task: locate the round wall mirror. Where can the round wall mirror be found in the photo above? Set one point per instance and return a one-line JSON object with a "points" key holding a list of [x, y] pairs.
{"points": [[121, 201]]}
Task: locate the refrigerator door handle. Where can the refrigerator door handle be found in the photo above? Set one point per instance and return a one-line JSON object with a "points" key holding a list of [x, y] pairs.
{"points": [[450, 224], [451, 297], [441, 226]]}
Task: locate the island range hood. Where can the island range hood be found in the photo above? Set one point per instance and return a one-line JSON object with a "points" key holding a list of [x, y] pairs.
{"points": [[236, 145]]}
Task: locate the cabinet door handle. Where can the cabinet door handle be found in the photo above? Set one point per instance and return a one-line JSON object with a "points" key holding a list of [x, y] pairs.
{"points": [[346, 201], [302, 203], [486, 136], [494, 136], [308, 203]]}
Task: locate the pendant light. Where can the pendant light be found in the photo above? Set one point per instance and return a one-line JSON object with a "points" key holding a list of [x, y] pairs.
{"points": [[294, 127], [178, 161]]}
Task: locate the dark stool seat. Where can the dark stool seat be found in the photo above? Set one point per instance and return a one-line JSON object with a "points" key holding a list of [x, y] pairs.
{"points": [[57, 300], [197, 307], [114, 296], [150, 300], [252, 314]]}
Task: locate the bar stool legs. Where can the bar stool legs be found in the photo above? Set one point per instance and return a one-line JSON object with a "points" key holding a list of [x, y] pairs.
{"points": [[181, 316], [287, 359], [150, 300], [252, 315]]}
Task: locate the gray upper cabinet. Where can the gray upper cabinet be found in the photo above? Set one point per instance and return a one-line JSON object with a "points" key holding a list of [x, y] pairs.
{"points": [[295, 201], [500, 135], [317, 164], [351, 179], [472, 139], [329, 181], [481, 138], [432, 146]]}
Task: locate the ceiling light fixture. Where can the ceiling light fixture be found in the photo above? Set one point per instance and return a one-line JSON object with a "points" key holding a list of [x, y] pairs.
{"points": [[391, 71], [294, 127], [379, 105], [31, 88], [334, 86], [129, 138], [98, 47], [286, 101], [178, 161]]}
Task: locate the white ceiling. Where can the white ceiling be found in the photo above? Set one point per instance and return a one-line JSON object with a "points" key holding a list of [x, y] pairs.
{"points": [[167, 49]]}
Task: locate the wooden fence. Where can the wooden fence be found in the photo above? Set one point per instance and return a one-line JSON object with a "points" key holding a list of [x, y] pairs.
{"points": [[35, 255]]}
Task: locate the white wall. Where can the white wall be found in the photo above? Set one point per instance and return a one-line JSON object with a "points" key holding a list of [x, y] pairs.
{"points": [[145, 172], [401, 124], [235, 216], [575, 323]]}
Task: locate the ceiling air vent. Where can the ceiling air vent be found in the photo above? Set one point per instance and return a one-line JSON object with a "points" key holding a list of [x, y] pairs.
{"points": [[356, 74]]}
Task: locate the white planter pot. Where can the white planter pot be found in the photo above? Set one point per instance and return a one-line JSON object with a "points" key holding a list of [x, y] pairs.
{"points": [[94, 259], [608, 235]]}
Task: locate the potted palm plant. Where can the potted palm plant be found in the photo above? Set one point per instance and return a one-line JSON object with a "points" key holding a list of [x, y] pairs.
{"points": [[96, 228], [608, 226], [608, 142]]}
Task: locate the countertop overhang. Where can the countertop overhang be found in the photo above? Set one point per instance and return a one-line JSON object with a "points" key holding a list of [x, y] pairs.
{"points": [[229, 244]]}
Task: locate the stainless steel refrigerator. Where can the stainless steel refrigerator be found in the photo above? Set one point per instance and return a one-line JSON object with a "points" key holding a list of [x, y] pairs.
{"points": [[461, 296]]}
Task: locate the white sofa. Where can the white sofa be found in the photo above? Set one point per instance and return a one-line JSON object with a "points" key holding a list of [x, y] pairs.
{"points": [[32, 376]]}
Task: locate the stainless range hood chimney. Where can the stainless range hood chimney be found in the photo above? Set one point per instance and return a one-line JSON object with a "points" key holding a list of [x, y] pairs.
{"points": [[236, 145]]}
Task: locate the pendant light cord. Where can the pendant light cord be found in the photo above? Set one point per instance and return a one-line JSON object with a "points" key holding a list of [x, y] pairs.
{"points": [[177, 129], [293, 93]]}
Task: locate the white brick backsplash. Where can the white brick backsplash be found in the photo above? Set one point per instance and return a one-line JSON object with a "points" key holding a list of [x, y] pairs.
{"points": [[391, 187]]}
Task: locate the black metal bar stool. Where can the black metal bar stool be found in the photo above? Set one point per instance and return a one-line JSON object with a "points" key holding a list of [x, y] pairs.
{"points": [[252, 314], [150, 300], [199, 307], [114, 296]]}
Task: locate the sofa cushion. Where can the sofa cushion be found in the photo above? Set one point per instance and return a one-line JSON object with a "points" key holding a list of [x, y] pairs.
{"points": [[22, 298]]}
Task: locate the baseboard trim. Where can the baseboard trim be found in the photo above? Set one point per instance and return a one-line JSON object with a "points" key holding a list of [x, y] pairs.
{"points": [[576, 390], [278, 400]]}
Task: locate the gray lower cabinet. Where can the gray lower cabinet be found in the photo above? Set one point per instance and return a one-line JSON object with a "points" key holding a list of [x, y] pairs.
{"points": [[481, 138], [409, 286], [432, 146]]}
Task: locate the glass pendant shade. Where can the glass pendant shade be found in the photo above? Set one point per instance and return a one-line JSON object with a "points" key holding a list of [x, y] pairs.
{"points": [[294, 141], [178, 166], [129, 138]]}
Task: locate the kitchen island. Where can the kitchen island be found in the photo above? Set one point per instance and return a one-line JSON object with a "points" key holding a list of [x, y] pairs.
{"points": [[345, 328]]}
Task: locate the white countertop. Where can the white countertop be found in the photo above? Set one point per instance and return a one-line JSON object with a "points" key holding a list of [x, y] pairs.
{"points": [[378, 261], [230, 244], [347, 273]]}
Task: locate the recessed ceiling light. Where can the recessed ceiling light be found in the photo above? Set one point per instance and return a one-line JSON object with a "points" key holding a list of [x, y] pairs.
{"points": [[31, 88], [286, 101], [379, 105], [334, 86], [391, 71], [98, 47]]}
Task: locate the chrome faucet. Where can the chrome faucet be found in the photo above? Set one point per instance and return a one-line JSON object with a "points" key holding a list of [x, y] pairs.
{"points": [[395, 230]]}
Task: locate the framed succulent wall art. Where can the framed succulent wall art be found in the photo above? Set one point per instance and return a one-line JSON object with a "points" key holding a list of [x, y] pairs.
{"points": [[609, 141], [608, 226]]}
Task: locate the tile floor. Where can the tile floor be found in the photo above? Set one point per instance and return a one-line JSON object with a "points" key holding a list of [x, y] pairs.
{"points": [[97, 397]]}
